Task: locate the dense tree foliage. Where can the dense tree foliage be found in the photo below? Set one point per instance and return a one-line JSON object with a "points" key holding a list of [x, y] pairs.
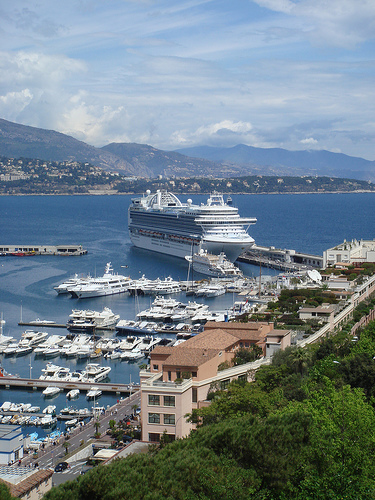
{"points": [[303, 429]]}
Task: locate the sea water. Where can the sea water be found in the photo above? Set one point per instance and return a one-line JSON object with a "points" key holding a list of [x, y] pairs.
{"points": [[308, 223]]}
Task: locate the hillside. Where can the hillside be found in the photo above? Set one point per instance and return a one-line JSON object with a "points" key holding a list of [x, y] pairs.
{"points": [[284, 162], [141, 160]]}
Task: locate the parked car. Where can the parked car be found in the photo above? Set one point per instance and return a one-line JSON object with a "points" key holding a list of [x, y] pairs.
{"points": [[61, 466]]}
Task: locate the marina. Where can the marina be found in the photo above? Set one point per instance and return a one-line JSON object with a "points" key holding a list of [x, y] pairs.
{"points": [[27, 285]]}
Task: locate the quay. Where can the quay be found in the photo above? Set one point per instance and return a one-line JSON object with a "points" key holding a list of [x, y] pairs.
{"points": [[282, 259], [35, 384], [29, 250], [45, 324]]}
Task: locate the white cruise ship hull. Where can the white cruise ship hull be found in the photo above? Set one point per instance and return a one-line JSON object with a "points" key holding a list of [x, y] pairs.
{"points": [[181, 247]]}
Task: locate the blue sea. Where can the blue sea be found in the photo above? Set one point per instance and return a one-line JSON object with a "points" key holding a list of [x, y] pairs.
{"points": [[309, 223]]}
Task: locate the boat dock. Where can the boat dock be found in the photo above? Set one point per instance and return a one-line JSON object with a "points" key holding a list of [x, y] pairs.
{"points": [[282, 259], [29, 250], [38, 384], [52, 324]]}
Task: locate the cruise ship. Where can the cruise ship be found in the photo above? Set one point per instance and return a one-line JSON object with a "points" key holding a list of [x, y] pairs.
{"points": [[162, 223]]}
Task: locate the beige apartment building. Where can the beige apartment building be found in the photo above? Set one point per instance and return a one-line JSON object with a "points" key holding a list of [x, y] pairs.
{"points": [[180, 377]]}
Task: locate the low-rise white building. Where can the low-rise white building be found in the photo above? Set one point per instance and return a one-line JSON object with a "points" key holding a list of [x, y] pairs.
{"points": [[11, 443], [350, 252]]}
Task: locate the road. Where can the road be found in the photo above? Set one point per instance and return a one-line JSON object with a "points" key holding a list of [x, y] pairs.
{"points": [[53, 454]]}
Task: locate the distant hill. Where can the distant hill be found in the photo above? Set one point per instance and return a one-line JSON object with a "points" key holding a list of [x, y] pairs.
{"points": [[142, 160], [283, 162], [30, 142]]}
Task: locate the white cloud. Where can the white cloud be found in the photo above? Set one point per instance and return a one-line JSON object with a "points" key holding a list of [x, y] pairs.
{"points": [[309, 141]]}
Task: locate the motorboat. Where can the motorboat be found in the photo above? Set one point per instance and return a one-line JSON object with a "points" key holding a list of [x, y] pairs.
{"points": [[74, 393], [29, 338], [109, 284], [132, 355], [213, 265], [148, 343], [94, 392], [81, 320], [51, 352], [51, 391], [49, 410], [211, 290], [95, 372], [71, 423]]}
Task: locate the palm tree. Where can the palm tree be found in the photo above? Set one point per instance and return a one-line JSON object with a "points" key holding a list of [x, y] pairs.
{"points": [[301, 359]]}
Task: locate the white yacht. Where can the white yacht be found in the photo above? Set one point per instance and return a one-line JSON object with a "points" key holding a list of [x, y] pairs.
{"points": [[162, 223], [81, 320], [95, 372], [217, 266], [71, 282], [109, 284], [32, 339]]}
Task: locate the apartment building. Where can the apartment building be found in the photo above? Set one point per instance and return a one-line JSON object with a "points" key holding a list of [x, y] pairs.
{"points": [[180, 377]]}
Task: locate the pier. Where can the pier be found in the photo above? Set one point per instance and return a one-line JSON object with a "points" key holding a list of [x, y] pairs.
{"points": [[282, 259], [38, 384], [29, 250]]}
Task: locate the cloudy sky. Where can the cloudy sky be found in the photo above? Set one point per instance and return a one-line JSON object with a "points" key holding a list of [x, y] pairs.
{"points": [[296, 74]]}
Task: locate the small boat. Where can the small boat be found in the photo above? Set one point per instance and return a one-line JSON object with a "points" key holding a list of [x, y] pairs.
{"points": [[51, 391], [94, 392], [71, 423], [48, 410], [74, 393]]}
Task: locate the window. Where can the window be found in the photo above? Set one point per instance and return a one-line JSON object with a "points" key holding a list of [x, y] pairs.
{"points": [[155, 367], [153, 418], [169, 401], [224, 384], [193, 374], [169, 418], [153, 400], [178, 374], [194, 395], [169, 375]]}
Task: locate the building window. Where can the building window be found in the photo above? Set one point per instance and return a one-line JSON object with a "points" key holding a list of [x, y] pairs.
{"points": [[169, 418], [193, 374], [153, 400], [169, 401], [224, 384], [153, 418], [169, 375], [153, 437], [156, 367], [178, 374], [194, 395]]}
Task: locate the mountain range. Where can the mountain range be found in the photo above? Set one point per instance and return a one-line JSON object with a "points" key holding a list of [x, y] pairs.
{"points": [[141, 160]]}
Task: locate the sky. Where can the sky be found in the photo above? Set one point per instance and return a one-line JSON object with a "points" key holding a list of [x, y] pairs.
{"points": [[294, 74]]}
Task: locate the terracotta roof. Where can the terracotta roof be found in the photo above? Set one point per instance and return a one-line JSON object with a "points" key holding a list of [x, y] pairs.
{"points": [[278, 333], [191, 357], [243, 331], [32, 481], [212, 339]]}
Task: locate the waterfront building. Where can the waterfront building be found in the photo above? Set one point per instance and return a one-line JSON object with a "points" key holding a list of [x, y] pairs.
{"points": [[179, 378], [350, 252], [11, 443]]}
